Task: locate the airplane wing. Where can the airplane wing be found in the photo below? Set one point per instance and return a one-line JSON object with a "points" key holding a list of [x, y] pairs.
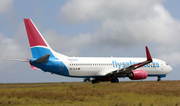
{"points": [[130, 68]]}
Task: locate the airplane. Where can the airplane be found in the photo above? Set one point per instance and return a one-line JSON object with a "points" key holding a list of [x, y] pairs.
{"points": [[98, 68]]}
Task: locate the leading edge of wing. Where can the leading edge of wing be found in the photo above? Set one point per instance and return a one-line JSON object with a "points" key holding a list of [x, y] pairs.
{"points": [[132, 67]]}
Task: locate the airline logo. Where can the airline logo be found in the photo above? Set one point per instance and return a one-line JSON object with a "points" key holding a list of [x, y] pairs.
{"points": [[126, 64], [73, 60]]}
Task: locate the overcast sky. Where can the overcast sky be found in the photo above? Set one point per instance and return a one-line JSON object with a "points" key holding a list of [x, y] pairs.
{"points": [[118, 28]]}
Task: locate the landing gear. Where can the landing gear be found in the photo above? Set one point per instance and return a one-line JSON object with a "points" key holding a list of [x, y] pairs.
{"points": [[114, 80], [159, 78], [94, 81], [87, 80]]}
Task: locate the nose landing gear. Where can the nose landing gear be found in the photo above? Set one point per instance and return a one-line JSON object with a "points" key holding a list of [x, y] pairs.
{"points": [[159, 78]]}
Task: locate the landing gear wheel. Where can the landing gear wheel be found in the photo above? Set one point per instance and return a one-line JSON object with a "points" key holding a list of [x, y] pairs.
{"points": [[114, 80], [117, 80], [87, 80], [95, 81], [159, 78]]}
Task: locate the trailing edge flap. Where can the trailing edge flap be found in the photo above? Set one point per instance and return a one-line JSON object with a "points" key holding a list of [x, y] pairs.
{"points": [[43, 59]]}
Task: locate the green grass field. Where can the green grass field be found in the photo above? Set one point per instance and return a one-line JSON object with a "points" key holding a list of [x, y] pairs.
{"points": [[140, 93]]}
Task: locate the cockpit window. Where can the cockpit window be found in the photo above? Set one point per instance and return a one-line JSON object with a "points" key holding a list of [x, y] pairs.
{"points": [[167, 64]]}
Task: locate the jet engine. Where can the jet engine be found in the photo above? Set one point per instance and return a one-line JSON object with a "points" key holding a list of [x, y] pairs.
{"points": [[137, 75]]}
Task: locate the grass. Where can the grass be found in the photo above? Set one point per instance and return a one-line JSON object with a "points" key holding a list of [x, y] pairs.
{"points": [[140, 93]]}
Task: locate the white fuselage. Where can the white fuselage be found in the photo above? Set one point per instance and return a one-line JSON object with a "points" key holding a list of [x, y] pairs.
{"points": [[100, 66]]}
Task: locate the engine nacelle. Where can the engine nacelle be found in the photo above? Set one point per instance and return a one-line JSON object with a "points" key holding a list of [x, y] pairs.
{"points": [[137, 75]]}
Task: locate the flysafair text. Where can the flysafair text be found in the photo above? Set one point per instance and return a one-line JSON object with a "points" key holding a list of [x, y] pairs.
{"points": [[126, 64]]}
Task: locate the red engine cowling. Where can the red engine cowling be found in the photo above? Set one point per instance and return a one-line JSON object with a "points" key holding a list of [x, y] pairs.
{"points": [[137, 75]]}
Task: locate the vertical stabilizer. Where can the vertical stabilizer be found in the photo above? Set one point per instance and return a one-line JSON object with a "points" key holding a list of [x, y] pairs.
{"points": [[34, 36], [39, 46]]}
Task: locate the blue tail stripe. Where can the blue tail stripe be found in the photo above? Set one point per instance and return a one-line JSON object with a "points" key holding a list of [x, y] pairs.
{"points": [[38, 52]]}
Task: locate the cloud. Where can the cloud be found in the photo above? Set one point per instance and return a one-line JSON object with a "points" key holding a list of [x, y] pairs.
{"points": [[172, 58], [13, 48], [67, 45], [9, 49], [6, 5], [127, 24], [82, 11]]}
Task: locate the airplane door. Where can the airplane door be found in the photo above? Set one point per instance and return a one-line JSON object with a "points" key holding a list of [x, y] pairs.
{"points": [[161, 66], [61, 65]]}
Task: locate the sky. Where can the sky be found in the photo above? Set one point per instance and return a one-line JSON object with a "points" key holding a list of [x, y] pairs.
{"points": [[89, 28]]}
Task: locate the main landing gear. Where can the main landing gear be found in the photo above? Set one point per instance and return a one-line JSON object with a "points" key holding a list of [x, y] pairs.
{"points": [[159, 78], [114, 80], [95, 81], [87, 80]]}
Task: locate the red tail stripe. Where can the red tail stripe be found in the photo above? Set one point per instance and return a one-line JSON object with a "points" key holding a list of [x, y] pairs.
{"points": [[34, 36]]}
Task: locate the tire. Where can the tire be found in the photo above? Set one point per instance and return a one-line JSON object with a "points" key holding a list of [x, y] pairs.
{"points": [[159, 79], [114, 80], [94, 81]]}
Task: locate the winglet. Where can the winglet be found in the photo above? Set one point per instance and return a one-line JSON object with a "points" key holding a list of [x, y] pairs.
{"points": [[148, 55]]}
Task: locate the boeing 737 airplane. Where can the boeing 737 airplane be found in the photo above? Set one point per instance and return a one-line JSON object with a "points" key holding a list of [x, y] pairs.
{"points": [[98, 68]]}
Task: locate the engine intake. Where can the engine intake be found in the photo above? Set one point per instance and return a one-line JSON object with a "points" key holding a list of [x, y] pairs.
{"points": [[137, 75]]}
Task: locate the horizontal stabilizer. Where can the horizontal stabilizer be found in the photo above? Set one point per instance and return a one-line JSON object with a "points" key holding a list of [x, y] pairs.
{"points": [[20, 60], [43, 59], [34, 68]]}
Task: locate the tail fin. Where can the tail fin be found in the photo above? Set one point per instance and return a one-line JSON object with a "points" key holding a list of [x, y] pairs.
{"points": [[39, 46]]}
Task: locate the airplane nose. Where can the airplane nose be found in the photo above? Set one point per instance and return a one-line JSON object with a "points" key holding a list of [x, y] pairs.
{"points": [[170, 68]]}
